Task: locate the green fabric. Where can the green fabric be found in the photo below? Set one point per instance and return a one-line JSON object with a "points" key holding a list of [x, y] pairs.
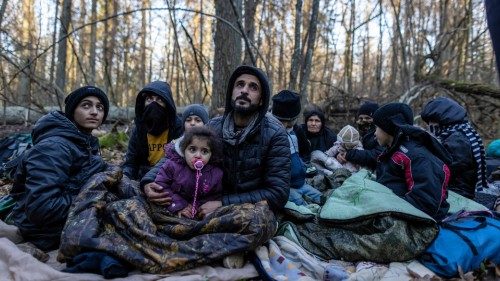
{"points": [[364, 221], [458, 203], [360, 196], [6, 205]]}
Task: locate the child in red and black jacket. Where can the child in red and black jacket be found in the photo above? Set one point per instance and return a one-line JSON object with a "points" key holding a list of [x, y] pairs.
{"points": [[414, 165]]}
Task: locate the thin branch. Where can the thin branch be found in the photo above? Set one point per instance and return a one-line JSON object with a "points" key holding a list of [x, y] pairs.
{"points": [[200, 70]]}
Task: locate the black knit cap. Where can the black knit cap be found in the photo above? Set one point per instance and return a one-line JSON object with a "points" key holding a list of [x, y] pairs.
{"points": [[72, 100], [195, 109], [286, 105], [392, 116], [367, 108]]}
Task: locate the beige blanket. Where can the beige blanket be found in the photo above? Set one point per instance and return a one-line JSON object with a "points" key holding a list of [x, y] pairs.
{"points": [[18, 265]]}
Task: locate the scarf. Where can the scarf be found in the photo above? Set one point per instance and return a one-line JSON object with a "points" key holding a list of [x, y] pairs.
{"points": [[155, 118], [233, 137], [476, 144]]}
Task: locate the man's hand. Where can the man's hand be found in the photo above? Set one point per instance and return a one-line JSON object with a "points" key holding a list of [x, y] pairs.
{"points": [[155, 194], [186, 212], [341, 157], [209, 207]]}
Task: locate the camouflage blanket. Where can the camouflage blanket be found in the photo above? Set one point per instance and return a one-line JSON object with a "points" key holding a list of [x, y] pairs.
{"points": [[110, 215], [364, 221]]}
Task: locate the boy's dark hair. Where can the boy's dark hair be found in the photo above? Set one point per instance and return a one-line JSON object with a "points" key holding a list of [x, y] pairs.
{"points": [[214, 142]]}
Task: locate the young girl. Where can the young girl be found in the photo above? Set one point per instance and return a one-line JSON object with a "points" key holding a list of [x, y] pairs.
{"points": [[193, 177]]}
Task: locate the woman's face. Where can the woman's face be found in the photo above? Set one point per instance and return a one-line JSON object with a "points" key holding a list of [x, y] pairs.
{"points": [[88, 114], [192, 121], [313, 124]]}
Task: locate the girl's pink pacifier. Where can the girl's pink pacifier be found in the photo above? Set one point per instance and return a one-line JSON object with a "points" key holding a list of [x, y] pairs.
{"points": [[198, 164]]}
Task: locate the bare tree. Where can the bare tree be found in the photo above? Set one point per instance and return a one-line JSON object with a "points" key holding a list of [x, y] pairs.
{"points": [[2, 10], [93, 43], [227, 53], [250, 9], [311, 40], [297, 51], [62, 48]]}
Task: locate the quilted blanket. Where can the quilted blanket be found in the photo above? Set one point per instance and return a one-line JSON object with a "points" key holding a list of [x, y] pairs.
{"points": [[109, 215]]}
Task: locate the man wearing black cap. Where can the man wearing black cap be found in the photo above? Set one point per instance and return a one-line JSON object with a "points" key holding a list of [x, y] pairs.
{"points": [[414, 165], [286, 108], [156, 124], [371, 149], [51, 173]]}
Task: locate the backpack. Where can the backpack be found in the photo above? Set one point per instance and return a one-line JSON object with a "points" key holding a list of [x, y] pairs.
{"points": [[465, 240], [12, 150]]}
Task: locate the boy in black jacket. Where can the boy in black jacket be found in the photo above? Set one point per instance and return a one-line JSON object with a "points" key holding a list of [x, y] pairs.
{"points": [[414, 165]]}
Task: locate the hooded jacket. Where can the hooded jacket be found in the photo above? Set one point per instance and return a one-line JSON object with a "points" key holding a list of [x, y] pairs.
{"points": [[463, 166], [180, 180], [415, 168], [50, 175], [136, 161], [257, 166]]}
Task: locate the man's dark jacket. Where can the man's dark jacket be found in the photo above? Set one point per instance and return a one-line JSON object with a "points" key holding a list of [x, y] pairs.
{"points": [[258, 167], [136, 161], [50, 175]]}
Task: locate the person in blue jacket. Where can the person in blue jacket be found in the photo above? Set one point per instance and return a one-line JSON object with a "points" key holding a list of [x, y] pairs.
{"points": [[64, 156], [414, 165], [448, 121], [156, 124]]}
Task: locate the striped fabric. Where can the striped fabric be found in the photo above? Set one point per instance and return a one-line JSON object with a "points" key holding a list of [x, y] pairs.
{"points": [[476, 145]]}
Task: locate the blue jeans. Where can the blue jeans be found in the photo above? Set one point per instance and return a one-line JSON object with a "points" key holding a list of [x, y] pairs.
{"points": [[297, 195]]}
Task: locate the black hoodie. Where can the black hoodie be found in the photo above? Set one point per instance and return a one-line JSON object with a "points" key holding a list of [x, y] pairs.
{"points": [[136, 162], [257, 167], [463, 167]]}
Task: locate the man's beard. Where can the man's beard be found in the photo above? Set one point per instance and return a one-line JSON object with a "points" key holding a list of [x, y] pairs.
{"points": [[251, 109], [365, 127], [155, 118]]}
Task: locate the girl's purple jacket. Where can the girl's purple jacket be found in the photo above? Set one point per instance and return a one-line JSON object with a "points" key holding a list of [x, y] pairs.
{"points": [[176, 177]]}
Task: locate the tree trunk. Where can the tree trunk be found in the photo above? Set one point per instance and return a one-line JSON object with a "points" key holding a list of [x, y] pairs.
{"points": [[297, 51], [93, 42], [27, 36], [348, 54], [250, 8], [62, 48], [143, 35], [2, 10], [227, 54], [311, 40]]}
